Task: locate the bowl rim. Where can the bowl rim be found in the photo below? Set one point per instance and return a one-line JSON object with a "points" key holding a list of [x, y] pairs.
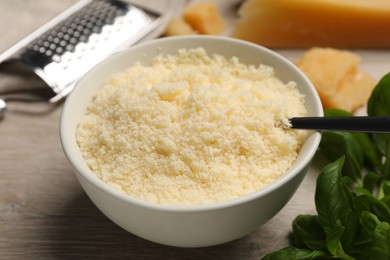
{"points": [[81, 170]]}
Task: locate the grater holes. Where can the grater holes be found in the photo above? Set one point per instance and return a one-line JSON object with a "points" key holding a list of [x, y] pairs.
{"points": [[96, 29], [83, 38], [73, 40], [64, 29], [66, 38], [56, 58], [77, 34], [86, 31], [83, 22], [73, 25], [39, 42], [80, 28], [50, 38], [62, 43], [69, 47], [96, 19], [70, 31], [89, 25], [59, 50], [92, 19], [56, 40]]}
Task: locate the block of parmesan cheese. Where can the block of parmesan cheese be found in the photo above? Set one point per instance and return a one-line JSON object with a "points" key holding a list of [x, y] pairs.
{"points": [[177, 26], [336, 76], [308, 23], [204, 18]]}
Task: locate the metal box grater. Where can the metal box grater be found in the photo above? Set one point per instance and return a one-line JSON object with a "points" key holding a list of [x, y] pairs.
{"points": [[64, 49]]}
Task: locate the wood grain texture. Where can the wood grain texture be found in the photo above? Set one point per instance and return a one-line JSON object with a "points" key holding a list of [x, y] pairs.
{"points": [[44, 213]]}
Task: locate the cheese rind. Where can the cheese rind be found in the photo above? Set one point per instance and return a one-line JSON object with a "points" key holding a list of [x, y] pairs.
{"points": [[308, 23]]}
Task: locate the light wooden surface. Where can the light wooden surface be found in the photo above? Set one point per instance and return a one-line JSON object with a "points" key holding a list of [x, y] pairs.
{"points": [[44, 213]]}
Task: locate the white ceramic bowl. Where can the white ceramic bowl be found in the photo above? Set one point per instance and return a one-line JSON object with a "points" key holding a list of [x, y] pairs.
{"points": [[187, 226]]}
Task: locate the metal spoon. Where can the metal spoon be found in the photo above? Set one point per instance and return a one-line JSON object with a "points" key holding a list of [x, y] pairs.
{"points": [[20, 99], [3, 108], [372, 124]]}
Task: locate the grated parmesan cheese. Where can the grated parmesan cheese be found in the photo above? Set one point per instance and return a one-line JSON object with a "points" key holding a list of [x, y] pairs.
{"points": [[191, 128]]}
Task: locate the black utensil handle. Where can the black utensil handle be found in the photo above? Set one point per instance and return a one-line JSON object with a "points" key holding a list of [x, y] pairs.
{"points": [[372, 124]]}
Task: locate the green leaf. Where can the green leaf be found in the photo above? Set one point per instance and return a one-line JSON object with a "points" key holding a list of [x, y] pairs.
{"points": [[382, 141], [308, 233], [336, 144], [336, 112], [373, 205], [295, 253], [348, 181], [335, 205], [362, 191], [386, 200], [386, 165], [333, 239], [328, 204], [363, 244], [380, 248], [369, 222], [378, 103], [371, 153], [386, 188], [370, 181]]}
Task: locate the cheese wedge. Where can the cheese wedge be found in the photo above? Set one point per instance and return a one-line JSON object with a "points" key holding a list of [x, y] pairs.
{"points": [[336, 76], [308, 23], [204, 18], [177, 26]]}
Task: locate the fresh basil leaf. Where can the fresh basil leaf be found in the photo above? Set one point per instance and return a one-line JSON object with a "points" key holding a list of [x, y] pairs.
{"points": [[374, 205], [348, 181], [363, 243], [295, 253], [336, 112], [378, 104], [386, 165], [334, 203], [327, 194], [385, 188], [309, 233], [382, 141], [336, 144], [369, 222], [332, 197], [359, 191], [370, 181], [333, 239], [386, 200], [371, 153], [380, 248]]}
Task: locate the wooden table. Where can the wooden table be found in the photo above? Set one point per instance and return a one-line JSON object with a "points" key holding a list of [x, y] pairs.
{"points": [[44, 213]]}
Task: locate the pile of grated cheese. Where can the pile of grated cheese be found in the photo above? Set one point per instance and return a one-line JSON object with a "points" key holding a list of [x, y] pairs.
{"points": [[191, 128]]}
